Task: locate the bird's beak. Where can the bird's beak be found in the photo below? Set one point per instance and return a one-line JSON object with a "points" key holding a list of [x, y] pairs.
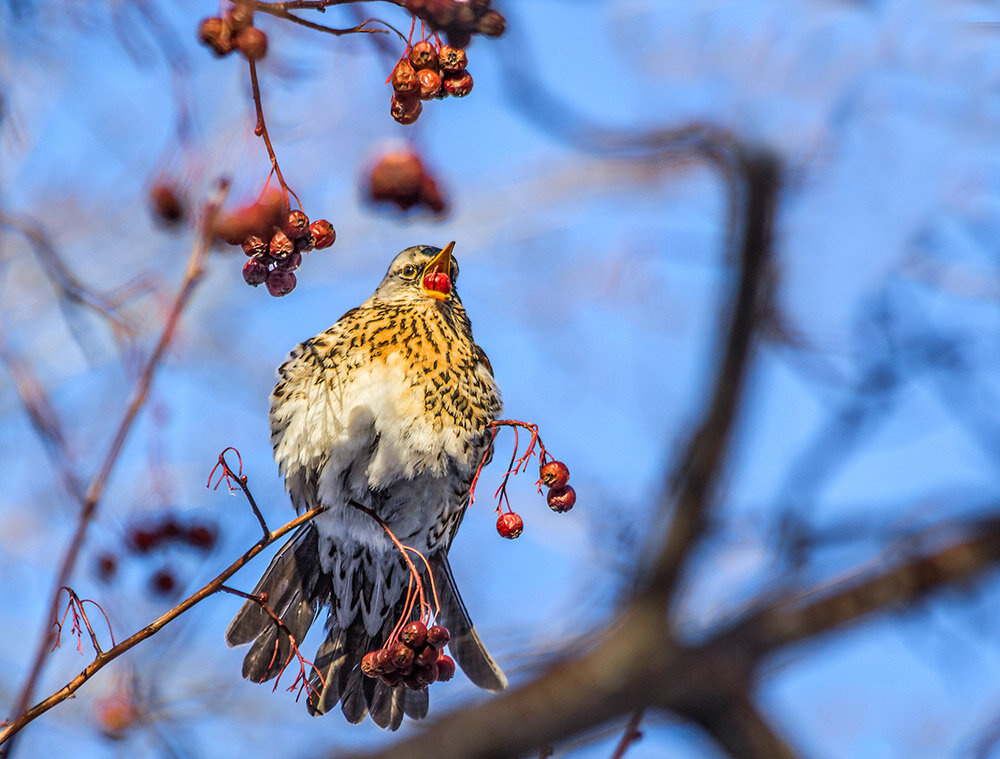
{"points": [[437, 279]]}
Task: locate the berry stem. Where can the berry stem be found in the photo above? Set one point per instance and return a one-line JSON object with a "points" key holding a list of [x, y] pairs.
{"points": [[261, 131]]}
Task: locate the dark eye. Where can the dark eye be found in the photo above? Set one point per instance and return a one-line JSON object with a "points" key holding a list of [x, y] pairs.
{"points": [[409, 271]]}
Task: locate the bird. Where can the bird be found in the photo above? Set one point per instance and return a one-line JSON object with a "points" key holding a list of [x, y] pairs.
{"points": [[387, 412]]}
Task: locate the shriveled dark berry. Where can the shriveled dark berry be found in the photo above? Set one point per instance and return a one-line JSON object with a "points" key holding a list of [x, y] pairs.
{"points": [[305, 243], [296, 225], [239, 16], [423, 56], [426, 675], [458, 84], [254, 272], [396, 177], [255, 245], [163, 582], [554, 474], [510, 525], [280, 282], [106, 566], [561, 499], [402, 656], [281, 247], [291, 262], [414, 634], [216, 34], [142, 539], [383, 662], [405, 109], [368, 664], [427, 656], [392, 679], [404, 77], [168, 206], [438, 636], [452, 58], [323, 233], [446, 668]]}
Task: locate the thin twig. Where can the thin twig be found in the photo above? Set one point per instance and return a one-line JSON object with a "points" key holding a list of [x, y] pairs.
{"points": [[631, 735], [140, 392], [103, 659]]}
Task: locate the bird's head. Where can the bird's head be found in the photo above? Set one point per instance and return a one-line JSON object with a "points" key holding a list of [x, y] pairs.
{"points": [[422, 273]]}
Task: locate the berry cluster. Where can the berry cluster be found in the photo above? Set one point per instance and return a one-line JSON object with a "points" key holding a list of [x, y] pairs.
{"points": [[400, 177], [234, 30], [274, 239], [414, 659], [426, 72], [459, 19]]}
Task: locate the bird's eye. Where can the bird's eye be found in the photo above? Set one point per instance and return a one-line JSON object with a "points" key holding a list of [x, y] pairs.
{"points": [[409, 271]]}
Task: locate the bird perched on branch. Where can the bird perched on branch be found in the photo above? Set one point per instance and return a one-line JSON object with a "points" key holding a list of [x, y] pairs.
{"points": [[385, 414]]}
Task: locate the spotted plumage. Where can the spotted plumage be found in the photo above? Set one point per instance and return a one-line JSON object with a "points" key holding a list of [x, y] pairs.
{"points": [[388, 409]]}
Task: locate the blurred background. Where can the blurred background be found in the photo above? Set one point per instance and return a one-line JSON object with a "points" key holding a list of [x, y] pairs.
{"points": [[591, 281]]}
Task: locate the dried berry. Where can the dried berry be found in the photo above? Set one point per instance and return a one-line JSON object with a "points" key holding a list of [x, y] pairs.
{"points": [[414, 634], [405, 109], [304, 244], [438, 636], [163, 582], [423, 56], [239, 16], [252, 42], [280, 282], [368, 664], [254, 272], [491, 23], [424, 676], [296, 225], [427, 656], [404, 77], [452, 58], [509, 525], [458, 84], [446, 668], [554, 474], [402, 657], [215, 33], [396, 177], [430, 83], [291, 262], [383, 663], [255, 245], [168, 207], [561, 499], [323, 233], [281, 247], [392, 679]]}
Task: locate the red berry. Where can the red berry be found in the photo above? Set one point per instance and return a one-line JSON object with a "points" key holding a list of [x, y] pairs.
{"points": [[438, 636], [323, 233], [402, 656], [423, 56], [201, 536], [427, 656], [252, 42], [509, 525], [255, 245], [142, 540], [383, 662], [368, 664], [216, 34], [458, 84], [291, 263], [426, 675], [254, 272], [281, 247], [452, 58], [414, 634], [561, 499], [446, 668], [162, 582], [392, 679], [405, 109], [430, 83], [167, 204], [280, 282], [404, 77], [296, 225], [554, 474]]}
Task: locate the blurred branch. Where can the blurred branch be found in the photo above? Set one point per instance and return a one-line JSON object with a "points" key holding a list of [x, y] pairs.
{"points": [[95, 491], [103, 658]]}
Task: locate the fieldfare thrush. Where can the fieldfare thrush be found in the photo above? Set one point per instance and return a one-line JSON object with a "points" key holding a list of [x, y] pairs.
{"points": [[389, 409]]}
